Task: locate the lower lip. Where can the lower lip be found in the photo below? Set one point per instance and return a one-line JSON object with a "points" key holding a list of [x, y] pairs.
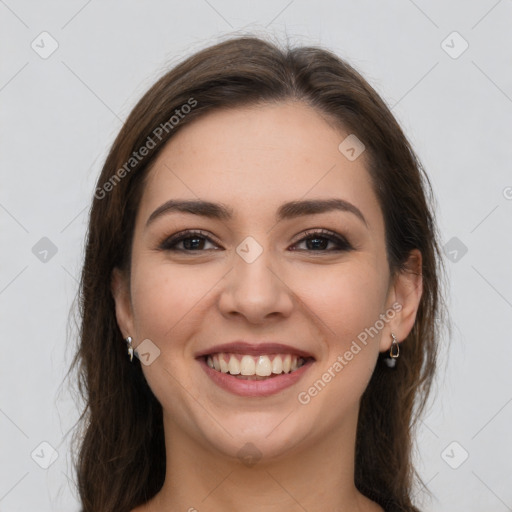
{"points": [[242, 387]]}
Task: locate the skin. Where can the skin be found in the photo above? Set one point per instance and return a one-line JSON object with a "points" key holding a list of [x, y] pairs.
{"points": [[253, 159]]}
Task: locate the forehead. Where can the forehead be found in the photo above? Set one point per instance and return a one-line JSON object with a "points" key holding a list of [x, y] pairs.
{"points": [[255, 158]]}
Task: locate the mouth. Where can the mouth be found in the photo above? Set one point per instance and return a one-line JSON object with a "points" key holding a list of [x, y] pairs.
{"points": [[249, 367], [255, 370]]}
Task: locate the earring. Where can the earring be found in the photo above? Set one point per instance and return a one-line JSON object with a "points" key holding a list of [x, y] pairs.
{"points": [[394, 352], [130, 348]]}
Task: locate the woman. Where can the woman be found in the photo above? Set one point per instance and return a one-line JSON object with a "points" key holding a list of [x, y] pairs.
{"points": [[262, 240]]}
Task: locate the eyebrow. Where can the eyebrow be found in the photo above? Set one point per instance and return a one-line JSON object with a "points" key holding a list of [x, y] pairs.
{"points": [[286, 211]]}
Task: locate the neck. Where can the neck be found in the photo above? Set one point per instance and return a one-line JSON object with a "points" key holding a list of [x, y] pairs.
{"points": [[317, 476]]}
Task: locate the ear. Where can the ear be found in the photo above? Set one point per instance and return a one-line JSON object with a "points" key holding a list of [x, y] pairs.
{"points": [[121, 292], [405, 292]]}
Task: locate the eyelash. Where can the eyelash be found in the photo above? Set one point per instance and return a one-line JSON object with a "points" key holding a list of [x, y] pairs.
{"points": [[343, 245]]}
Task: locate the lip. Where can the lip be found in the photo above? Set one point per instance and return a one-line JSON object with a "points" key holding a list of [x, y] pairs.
{"points": [[254, 349], [255, 388]]}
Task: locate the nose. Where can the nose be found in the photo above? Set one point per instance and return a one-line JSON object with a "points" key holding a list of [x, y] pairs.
{"points": [[256, 290]]}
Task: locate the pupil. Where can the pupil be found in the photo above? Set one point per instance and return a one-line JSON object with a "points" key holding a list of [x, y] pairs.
{"points": [[323, 241], [188, 245]]}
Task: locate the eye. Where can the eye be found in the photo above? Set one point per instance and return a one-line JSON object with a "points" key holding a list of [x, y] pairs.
{"points": [[192, 240], [195, 240], [320, 239]]}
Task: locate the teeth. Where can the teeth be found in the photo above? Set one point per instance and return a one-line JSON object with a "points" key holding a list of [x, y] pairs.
{"points": [[263, 366], [258, 366], [277, 365], [224, 367], [247, 366], [233, 366]]}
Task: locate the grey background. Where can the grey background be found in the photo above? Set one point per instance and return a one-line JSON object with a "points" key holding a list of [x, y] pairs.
{"points": [[60, 115]]}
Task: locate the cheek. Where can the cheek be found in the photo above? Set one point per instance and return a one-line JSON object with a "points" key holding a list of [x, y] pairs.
{"points": [[165, 297], [168, 301], [347, 299], [349, 302]]}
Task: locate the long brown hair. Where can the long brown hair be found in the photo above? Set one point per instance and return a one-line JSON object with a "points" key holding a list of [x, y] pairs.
{"points": [[120, 460]]}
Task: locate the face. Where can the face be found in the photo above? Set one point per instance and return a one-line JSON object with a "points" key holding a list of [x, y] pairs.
{"points": [[316, 281]]}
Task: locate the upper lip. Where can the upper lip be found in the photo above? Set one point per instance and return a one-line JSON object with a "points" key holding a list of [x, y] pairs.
{"points": [[253, 349]]}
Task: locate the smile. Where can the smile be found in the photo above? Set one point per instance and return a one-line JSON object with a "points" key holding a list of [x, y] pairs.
{"points": [[240, 374], [250, 367]]}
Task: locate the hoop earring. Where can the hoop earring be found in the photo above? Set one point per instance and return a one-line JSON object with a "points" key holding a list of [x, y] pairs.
{"points": [[394, 352], [130, 348]]}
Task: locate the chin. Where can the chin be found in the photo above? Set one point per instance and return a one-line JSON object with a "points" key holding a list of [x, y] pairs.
{"points": [[255, 439]]}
